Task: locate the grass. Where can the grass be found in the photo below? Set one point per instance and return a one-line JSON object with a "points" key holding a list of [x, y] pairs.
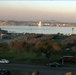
{"points": [[69, 64], [31, 58]]}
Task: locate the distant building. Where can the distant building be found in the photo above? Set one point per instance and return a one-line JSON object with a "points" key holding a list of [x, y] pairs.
{"points": [[3, 33]]}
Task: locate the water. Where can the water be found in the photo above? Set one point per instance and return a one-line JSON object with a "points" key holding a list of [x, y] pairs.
{"points": [[36, 29]]}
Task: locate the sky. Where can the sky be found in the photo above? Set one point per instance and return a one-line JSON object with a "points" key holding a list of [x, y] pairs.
{"points": [[27, 10]]}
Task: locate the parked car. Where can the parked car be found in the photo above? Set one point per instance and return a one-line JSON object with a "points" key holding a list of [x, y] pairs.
{"points": [[54, 64], [4, 61]]}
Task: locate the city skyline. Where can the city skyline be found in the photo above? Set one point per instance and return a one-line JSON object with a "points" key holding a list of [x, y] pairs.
{"points": [[38, 10]]}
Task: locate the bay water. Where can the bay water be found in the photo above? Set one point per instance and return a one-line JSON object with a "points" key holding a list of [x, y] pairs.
{"points": [[39, 30]]}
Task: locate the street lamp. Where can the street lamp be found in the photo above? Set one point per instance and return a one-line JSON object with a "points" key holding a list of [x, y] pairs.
{"points": [[72, 30]]}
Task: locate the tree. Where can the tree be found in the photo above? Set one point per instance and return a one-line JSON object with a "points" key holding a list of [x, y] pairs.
{"points": [[44, 47], [19, 46], [4, 47]]}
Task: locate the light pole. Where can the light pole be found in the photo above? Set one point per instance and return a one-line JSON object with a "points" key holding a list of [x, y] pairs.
{"points": [[31, 30], [72, 30], [62, 61]]}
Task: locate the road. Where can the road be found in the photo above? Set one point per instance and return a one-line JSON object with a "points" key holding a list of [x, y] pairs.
{"points": [[20, 69]]}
